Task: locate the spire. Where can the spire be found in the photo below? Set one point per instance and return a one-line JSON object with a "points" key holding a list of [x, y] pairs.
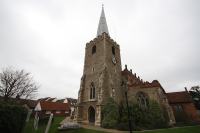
{"points": [[102, 24]]}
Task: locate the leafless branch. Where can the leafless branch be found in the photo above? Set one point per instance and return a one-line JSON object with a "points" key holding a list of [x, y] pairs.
{"points": [[19, 82]]}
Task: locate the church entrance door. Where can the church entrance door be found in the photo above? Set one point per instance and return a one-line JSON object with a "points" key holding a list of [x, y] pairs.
{"points": [[92, 115]]}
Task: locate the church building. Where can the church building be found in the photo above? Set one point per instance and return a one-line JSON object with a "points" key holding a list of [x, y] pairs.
{"points": [[103, 77]]}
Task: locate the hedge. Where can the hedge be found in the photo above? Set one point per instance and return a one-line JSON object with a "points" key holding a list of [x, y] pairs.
{"points": [[12, 118]]}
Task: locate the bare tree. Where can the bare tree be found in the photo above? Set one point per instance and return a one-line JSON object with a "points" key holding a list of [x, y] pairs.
{"points": [[17, 83]]}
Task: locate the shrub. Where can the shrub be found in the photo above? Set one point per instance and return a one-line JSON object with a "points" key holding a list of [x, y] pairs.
{"points": [[45, 120], [126, 127], [12, 118], [135, 110], [157, 113], [110, 113], [181, 117], [147, 118], [156, 110]]}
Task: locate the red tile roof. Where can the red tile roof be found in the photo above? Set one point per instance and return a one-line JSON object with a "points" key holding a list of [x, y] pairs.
{"points": [[177, 97], [54, 106]]}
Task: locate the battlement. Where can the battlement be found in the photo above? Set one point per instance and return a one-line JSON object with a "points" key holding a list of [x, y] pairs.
{"points": [[94, 41], [101, 37], [136, 82]]}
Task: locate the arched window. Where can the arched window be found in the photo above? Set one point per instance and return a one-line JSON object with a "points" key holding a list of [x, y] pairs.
{"points": [[142, 98], [94, 49], [113, 50], [176, 108], [92, 92], [181, 108]]}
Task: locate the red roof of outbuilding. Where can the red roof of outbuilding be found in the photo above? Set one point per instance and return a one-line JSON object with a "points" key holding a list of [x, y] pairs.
{"points": [[54, 106], [177, 97]]}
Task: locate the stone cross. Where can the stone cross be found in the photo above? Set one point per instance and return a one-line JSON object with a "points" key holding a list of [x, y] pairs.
{"points": [[49, 123]]}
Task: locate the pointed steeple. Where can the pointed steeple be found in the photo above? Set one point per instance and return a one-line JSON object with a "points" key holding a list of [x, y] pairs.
{"points": [[102, 24]]}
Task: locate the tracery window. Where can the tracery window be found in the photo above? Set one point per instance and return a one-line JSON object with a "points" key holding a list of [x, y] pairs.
{"points": [[92, 92], [113, 50], [94, 49], [142, 98]]}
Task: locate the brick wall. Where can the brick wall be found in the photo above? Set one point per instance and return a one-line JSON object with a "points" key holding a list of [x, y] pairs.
{"points": [[188, 108]]}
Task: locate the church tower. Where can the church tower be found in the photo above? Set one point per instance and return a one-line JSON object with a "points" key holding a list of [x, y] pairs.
{"points": [[101, 75]]}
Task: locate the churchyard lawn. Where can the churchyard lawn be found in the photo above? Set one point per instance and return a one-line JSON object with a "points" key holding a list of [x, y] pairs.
{"points": [[53, 128], [193, 129]]}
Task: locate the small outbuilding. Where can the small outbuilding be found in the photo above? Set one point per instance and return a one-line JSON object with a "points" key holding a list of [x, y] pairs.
{"points": [[57, 109]]}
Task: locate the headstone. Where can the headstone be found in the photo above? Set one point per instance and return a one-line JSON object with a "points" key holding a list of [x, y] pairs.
{"points": [[49, 123], [28, 116], [36, 115], [70, 125], [37, 124]]}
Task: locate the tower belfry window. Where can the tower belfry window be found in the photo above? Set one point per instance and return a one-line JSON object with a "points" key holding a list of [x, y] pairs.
{"points": [[94, 49], [113, 50]]}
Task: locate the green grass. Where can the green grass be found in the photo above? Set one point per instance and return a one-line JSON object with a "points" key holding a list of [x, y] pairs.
{"points": [[193, 129], [53, 128]]}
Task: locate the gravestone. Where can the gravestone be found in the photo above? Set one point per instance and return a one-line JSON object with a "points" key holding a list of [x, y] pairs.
{"points": [[69, 126], [37, 122], [36, 115], [28, 115], [49, 123]]}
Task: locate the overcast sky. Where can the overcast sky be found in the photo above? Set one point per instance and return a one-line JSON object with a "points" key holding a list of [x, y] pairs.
{"points": [[159, 39]]}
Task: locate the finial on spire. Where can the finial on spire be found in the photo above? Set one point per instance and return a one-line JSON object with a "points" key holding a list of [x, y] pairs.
{"points": [[102, 24]]}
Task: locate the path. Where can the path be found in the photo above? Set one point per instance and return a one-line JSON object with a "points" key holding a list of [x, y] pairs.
{"points": [[100, 128], [67, 119]]}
